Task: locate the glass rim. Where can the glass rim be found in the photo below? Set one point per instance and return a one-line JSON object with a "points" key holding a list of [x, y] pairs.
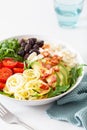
{"points": [[69, 2]]}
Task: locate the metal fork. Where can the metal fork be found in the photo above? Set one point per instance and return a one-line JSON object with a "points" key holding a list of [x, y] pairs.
{"points": [[10, 118]]}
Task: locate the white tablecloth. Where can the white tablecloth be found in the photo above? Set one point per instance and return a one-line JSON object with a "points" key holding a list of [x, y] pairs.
{"points": [[19, 17]]}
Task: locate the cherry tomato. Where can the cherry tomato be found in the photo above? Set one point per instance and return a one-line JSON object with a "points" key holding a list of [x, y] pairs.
{"points": [[20, 65], [18, 70], [0, 64], [2, 85], [9, 63], [4, 74]]}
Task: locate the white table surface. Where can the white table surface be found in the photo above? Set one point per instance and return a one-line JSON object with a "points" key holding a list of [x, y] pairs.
{"points": [[19, 17]]}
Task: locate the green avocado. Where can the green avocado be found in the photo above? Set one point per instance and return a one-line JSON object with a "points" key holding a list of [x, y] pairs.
{"points": [[36, 65], [63, 74]]}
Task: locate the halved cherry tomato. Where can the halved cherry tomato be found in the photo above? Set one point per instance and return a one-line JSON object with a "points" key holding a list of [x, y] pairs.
{"points": [[0, 64], [4, 74], [9, 63], [2, 85], [18, 70], [20, 65]]}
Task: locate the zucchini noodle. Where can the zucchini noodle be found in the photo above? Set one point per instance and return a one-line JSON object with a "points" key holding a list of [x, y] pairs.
{"points": [[31, 90], [26, 85], [15, 81], [31, 74]]}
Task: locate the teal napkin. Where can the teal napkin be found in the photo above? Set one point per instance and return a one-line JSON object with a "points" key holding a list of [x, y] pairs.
{"points": [[73, 106]]}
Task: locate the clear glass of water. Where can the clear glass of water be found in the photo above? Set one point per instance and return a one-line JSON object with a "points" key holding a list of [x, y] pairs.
{"points": [[68, 11]]}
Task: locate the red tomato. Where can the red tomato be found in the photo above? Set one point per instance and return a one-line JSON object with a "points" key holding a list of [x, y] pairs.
{"points": [[2, 85], [20, 65], [0, 64], [4, 74], [18, 70], [9, 63]]}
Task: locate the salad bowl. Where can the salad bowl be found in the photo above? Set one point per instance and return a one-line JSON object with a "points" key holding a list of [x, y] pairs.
{"points": [[55, 45]]}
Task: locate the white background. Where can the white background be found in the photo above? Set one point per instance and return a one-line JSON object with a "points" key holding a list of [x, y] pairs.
{"points": [[18, 17]]}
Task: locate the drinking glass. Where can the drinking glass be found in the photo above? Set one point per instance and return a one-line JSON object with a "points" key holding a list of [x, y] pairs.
{"points": [[68, 11]]}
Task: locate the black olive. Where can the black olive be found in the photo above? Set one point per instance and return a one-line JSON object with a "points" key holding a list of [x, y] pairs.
{"points": [[27, 41], [36, 46], [21, 52], [26, 56], [40, 43], [22, 40], [27, 47], [32, 41], [34, 50], [23, 44]]}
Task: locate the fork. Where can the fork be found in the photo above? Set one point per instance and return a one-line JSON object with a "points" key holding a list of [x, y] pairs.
{"points": [[10, 118]]}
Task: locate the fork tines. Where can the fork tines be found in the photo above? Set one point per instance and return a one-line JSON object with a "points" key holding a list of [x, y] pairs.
{"points": [[3, 110]]}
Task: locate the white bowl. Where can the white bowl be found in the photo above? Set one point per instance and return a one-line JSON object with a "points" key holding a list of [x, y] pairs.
{"points": [[48, 100]]}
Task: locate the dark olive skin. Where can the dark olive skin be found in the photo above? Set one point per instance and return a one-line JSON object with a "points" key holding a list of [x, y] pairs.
{"points": [[29, 46], [36, 46], [31, 41], [26, 56], [34, 40], [40, 43], [21, 52], [23, 44]]}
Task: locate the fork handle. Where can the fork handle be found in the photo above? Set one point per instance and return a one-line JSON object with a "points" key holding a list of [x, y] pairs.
{"points": [[25, 125]]}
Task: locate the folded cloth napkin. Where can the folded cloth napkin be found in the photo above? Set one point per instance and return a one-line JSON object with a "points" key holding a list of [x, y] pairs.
{"points": [[73, 106]]}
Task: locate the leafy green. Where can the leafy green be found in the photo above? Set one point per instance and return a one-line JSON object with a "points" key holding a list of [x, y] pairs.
{"points": [[6, 94], [11, 44], [58, 89], [9, 48], [74, 73], [27, 64]]}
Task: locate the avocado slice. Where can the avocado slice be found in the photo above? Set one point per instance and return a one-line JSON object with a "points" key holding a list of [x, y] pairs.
{"points": [[64, 72], [36, 65], [61, 78]]}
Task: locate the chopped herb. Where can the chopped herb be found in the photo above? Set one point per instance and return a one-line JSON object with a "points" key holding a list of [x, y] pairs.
{"points": [[9, 48]]}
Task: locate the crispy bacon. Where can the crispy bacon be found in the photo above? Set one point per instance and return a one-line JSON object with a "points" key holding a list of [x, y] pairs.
{"points": [[45, 53], [44, 86]]}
